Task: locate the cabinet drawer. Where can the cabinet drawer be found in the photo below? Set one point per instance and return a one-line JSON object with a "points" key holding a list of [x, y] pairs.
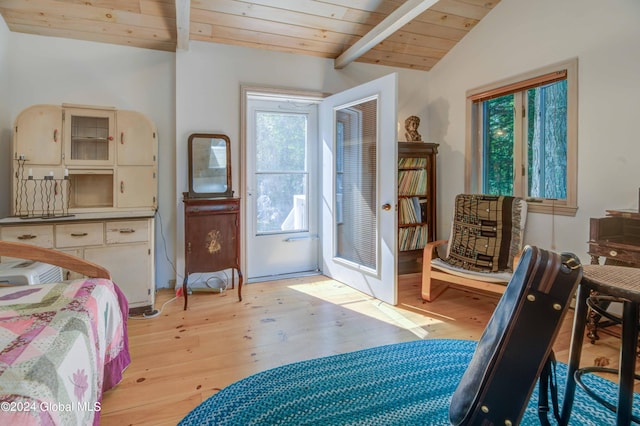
{"points": [[37, 235], [79, 234], [615, 252], [130, 231], [200, 207]]}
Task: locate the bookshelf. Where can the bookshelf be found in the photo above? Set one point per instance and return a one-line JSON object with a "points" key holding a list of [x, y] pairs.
{"points": [[416, 202]]}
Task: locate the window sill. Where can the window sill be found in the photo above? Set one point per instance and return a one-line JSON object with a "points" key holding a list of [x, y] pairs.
{"points": [[548, 208]]}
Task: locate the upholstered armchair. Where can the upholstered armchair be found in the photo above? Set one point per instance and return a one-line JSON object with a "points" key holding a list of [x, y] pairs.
{"points": [[482, 249]]}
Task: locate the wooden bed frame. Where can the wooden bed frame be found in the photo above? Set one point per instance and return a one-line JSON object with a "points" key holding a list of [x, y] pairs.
{"points": [[53, 257]]}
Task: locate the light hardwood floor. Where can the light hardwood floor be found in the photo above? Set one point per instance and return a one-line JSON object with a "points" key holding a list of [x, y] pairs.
{"points": [[180, 358]]}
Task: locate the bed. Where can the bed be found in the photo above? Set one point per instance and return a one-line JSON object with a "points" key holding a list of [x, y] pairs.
{"points": [[61, 344]]}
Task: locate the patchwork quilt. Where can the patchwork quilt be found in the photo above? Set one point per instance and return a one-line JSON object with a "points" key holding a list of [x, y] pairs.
{"points": [[61, 346]]}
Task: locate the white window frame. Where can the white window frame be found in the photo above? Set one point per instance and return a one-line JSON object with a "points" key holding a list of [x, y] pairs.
{"points": [[474, 148]]}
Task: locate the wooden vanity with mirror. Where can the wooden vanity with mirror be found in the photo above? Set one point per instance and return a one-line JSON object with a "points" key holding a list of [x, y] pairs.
{"points": [[211, 212]]}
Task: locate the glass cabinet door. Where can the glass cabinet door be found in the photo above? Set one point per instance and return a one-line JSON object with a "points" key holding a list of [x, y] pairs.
{"points": [[89, 136]]}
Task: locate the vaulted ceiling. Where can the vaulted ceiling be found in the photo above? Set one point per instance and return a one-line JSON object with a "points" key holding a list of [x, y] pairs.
{"points": [[388, 32]]}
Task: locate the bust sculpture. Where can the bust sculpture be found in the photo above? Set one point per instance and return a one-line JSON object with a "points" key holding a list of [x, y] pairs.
{"points": [[411, 126]]}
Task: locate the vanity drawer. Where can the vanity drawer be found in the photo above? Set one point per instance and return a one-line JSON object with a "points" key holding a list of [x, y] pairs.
{"points": [[79, 234], [127, 231], [614, 251], [38, 235]]}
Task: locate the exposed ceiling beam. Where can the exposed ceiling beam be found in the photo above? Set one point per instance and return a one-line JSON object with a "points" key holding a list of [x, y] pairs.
{"points": [[389, 25], [183, 18]]}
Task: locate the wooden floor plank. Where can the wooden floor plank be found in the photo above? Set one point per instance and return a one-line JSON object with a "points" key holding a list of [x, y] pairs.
{"points": [[180, 358]]}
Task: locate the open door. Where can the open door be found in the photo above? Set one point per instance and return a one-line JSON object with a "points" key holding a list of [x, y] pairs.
{"points": [[359, 182]]}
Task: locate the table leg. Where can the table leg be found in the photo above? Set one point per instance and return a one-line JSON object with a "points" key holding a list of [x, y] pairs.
{"points": [[239, 285], [594, 319], [627, 361], [184, 290], [575, 350], [592, 324]]}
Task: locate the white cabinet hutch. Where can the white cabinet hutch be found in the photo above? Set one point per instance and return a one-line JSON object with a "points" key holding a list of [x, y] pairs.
{"points": [[84, 181]]}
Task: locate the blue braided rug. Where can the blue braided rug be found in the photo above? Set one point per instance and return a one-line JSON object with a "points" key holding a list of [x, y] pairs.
{"points": [[401, 384]]}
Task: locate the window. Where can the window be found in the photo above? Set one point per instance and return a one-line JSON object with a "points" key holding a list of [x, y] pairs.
{"points": [[522, 138]]}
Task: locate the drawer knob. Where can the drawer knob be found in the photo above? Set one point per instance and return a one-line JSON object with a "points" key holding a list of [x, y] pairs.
{"points": [[127, 231], [79, 234], [613, 253], [26, 237]]}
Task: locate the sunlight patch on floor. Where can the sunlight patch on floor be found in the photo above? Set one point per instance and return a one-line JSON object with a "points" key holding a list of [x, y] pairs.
{"points": [[401, 320], [340, 294]]}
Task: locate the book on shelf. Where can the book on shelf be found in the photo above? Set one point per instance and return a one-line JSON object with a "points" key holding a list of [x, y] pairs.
{"points": [[412, 163], [413, 237], [412, 182], [412, 210]]}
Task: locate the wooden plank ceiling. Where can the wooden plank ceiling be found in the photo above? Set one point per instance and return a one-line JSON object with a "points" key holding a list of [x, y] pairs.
{"points": [[323, 28]]}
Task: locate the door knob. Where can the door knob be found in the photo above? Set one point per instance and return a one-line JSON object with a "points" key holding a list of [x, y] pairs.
{"points": [[386, 206]]}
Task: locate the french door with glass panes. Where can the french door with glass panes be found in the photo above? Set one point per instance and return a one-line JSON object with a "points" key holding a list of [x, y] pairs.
{"points": [[281, 205], [359, 187], [325, 204]]}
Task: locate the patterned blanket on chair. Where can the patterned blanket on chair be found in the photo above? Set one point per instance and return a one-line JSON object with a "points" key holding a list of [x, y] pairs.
{"points": [[486, 232]]}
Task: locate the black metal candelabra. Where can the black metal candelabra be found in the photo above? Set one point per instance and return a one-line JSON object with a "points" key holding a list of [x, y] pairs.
{"points": [[45, 197]]}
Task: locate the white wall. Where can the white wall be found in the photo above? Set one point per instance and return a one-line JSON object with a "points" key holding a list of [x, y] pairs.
{"points": [[5, 118], [521, 35], [208, 80], [49, 70]]}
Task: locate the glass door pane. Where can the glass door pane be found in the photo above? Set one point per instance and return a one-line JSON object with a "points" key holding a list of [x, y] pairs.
{"points": [[88, 135], [281, 172], [355, 225], [89, 138]]}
